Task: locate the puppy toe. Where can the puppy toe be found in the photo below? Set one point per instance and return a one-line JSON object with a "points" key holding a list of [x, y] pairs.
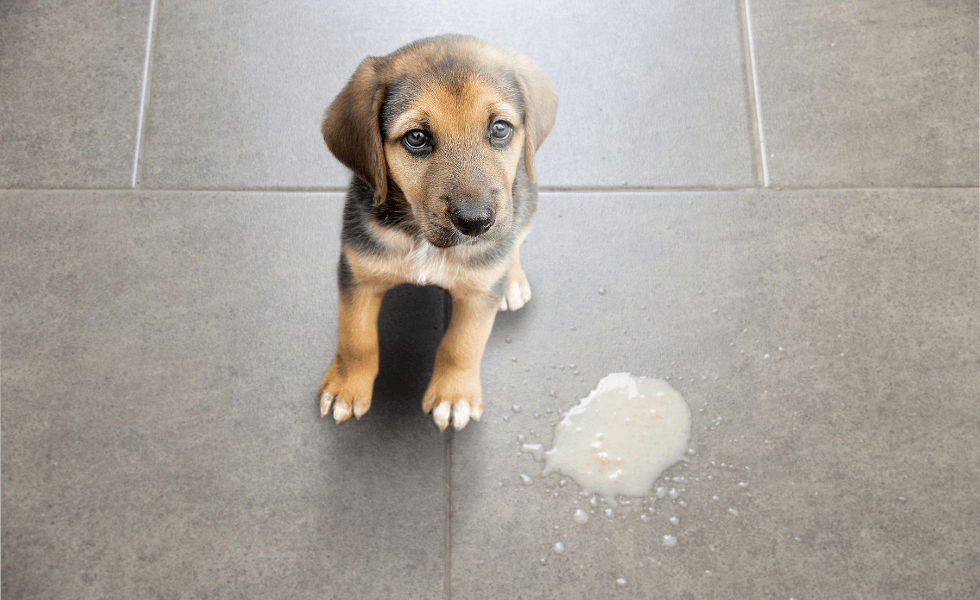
{"points": [[326, 400], [518, 294], [342, 411], [461, 415], [361, 406], [441, 414], [476, 410]]}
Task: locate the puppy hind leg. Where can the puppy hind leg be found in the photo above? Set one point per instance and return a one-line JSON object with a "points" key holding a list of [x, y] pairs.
{"points": [[517, 292]]}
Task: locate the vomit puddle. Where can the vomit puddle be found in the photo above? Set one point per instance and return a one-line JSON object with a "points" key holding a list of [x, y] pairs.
{"points": [[620, 438]]}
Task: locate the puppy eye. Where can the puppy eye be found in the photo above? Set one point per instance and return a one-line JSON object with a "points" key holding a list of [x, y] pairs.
{"points": [[501, 130], [416, 140]]}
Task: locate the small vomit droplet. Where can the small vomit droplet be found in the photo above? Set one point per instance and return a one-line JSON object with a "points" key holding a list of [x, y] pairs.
{"points": [[517, 408], [527, 480], [733, 511], [602, 291], [645, 518], [558, 548], [580, 517], [513, 359], [621, 582], [670, 541], [674, 521], [535, 450]]}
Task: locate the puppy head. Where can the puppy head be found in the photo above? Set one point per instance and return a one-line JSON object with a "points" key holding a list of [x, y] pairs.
{"points": [[449, 121]]}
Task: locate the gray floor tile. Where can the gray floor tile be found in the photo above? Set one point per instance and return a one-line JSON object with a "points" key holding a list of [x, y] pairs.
{"points": [[648, 97], [71, 75], [161, 356], [868, 93], [827, 344]]}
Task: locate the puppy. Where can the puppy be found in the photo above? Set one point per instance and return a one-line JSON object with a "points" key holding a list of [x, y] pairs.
{"points": [[441, 136]]}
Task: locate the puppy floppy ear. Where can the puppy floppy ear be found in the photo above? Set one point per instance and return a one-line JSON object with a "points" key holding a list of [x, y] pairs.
{"points": [[352, 129], [540, 106]]}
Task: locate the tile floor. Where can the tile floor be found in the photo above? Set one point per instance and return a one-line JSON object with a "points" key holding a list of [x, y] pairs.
{"points": [[780, 202]]}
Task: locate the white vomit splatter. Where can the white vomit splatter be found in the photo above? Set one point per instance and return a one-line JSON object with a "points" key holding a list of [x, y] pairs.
{"points": [[621, 437], [535, 450]]}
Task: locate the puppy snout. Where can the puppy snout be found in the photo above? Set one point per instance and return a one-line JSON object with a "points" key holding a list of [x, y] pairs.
{"points": [[472, 218]]}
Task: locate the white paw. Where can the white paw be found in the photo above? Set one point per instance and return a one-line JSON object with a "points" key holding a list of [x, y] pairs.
{"points": [[343, 408], [517, 295], [458, 413]]}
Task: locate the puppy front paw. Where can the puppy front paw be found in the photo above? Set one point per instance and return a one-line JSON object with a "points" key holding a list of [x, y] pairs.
{"points": [[454, 398], [346, 393]]}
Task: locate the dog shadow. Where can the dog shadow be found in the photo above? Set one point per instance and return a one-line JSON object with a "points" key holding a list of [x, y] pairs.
{"points": [[411, 324]]}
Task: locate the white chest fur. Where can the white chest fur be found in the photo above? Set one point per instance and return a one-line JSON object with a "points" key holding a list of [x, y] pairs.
{"points": [[427, 265], [413, 260]]}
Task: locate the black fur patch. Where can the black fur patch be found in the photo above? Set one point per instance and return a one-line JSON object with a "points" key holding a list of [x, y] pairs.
{"points": [[359, 209], [345, 277]]}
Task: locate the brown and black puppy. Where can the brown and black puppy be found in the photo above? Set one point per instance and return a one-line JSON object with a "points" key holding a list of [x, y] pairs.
{"points": [[441, 136]]}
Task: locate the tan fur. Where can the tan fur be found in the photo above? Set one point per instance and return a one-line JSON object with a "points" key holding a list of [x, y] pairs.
{"points": [[458, 88], [350, 378], [459, 120]]}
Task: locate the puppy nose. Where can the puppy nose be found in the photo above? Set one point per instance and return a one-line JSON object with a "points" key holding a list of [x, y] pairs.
{"points": [[472, 218]]}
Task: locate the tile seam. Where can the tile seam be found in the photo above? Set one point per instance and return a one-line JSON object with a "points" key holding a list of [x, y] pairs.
{"points": [[144, 98], [753, 91], [546, 190], [449, 515]]}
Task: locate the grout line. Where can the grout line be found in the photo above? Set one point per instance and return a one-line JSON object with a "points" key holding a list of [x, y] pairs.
{"points": [[782, 188], [449, 514], [144, 100], [545, 189], [753, 92]]}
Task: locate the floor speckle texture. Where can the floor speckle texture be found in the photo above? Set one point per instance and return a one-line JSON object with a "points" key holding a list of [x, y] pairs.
{"points": [[779, 206]]}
